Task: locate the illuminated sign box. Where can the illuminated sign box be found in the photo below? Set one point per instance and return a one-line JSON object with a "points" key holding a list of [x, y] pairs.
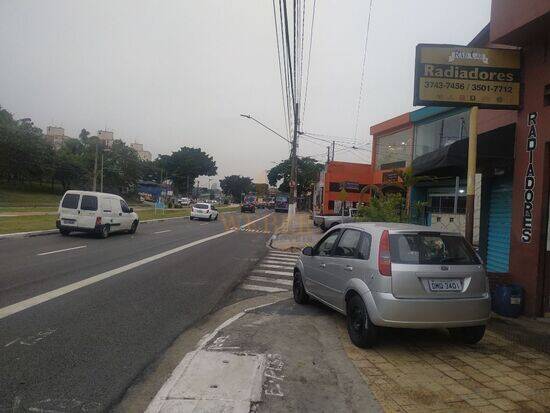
{"points": [[448, 75]]}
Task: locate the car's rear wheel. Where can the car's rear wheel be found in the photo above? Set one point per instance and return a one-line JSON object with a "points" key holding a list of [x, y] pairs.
{"points": [[210, 217], [360, 329], [133, 228], [217, 215], [64, 232], [468, 335], [105, 231], [298, 290]]}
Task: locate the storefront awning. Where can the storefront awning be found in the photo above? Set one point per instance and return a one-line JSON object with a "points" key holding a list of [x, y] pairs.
{"points": [[496, 146]]}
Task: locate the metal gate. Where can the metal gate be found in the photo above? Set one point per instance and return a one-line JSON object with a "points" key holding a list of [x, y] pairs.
{"points": [[500, 223]]}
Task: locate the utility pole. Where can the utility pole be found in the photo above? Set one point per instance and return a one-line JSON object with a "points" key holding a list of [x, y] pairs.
{"points": [[294, 165], [101, 181], [95, 169], [470, 179], [333, 146], [328, 154]]}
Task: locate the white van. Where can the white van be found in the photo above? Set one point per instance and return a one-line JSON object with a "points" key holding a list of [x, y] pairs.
{"points": [[96, 212]]}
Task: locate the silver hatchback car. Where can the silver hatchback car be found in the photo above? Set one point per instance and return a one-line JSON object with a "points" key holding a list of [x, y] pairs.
{"points": [[396, 275]]}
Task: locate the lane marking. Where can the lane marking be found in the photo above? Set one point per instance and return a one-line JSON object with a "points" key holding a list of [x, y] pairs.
{"points": [[284, 267], [269, 280], [287, 273], [50, 295], [63, 250], [276, 254], [162, 232], [261, 288]]}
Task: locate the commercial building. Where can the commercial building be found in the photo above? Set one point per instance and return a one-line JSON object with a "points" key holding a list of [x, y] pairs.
{"points": [[512, 225], [55, 136], [354, 178], [143, 154]]}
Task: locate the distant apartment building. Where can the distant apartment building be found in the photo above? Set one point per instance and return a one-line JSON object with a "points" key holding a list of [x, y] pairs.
{"points": [[55, 136], [143, 155], [106, 137]]}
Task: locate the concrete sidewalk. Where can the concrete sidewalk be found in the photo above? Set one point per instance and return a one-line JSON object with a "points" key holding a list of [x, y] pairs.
{"points": [[294, 236], [276, 358]]}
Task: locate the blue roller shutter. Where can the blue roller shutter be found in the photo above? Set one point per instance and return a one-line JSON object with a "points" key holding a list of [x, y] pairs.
{"points": [[500, 223]]}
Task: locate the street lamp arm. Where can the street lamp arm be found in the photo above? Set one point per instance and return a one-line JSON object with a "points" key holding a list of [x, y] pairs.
{"points": [[265, 126]]}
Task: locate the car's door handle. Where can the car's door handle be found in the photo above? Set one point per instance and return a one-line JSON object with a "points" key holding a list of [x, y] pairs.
{"points": [[322, 265], [349, 268]]}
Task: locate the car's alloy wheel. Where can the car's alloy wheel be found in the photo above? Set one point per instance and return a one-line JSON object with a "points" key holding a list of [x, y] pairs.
{"points": [[105, 231], [133, 229], [298, 290], [360, 329]]}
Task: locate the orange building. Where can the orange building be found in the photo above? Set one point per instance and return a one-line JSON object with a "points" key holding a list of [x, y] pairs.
{"points": [[352, 177]]}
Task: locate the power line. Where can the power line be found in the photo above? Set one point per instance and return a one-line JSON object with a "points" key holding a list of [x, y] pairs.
{"points": [[363, 70], [265, 126], [285, 104], [309, 59]]}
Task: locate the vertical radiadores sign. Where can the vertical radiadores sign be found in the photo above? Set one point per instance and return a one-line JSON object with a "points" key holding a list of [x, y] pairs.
{"points": [[447, 75]]}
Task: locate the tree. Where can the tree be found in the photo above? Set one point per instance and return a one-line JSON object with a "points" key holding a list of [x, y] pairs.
{"points": [[84, 134], [261, 189], [308, 174], [186, 165], [235, 185]]}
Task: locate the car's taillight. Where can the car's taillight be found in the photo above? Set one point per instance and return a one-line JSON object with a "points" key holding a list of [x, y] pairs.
{"points": [[98, 221], [384, 257]]}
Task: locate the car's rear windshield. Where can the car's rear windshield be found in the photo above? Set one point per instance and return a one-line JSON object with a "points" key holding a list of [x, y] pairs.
{"points": [[88, 203], [70, 201], [249, 199], [431, 248], [201, 206]]}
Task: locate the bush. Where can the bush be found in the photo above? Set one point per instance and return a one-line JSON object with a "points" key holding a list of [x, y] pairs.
{"points": [[385, 208]]}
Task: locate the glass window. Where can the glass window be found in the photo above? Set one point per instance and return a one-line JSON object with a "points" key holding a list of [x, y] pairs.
{"points": [[431, 248], [325, 245], [393, 151], [88, 203], [124, 206], [442, 132], [334, 187], [364, 252], [201, 206], [348, 246], [70, 201]]}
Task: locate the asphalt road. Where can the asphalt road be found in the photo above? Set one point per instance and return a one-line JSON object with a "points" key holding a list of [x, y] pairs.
{"points": [[80, 347]]}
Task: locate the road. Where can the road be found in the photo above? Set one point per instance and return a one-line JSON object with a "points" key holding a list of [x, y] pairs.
{"points": [[81, 318]]}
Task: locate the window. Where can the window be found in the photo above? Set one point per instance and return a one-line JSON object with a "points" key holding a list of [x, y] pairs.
{"points": [[124, 206], [446, 204], [331, 205], [88, 203], [393, 151], [431, 248], [201, 206], [325, 245], [364, 252], [442, 132], [348, 246], [70, 201], [335, 187]]}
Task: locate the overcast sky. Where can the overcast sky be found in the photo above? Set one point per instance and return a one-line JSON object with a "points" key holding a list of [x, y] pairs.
{"points": [[175, 73]]}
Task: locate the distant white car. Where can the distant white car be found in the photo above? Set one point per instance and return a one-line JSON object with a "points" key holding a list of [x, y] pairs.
{"points": [[97, 212], [204, 211], [184, 201]]}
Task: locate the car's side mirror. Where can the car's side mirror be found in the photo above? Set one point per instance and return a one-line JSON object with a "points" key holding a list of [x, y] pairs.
{"points": [[131, 210], [307, 251]]}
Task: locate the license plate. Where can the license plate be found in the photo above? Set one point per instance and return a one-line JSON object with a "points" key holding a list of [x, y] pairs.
{"points": [[68, 221], [445, 285]]}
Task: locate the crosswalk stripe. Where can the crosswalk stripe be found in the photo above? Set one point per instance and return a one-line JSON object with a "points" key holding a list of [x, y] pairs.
{"points": [[284, 254], [272, 260], [270, 280], [286, 273], [262, 288], [284, 267]]}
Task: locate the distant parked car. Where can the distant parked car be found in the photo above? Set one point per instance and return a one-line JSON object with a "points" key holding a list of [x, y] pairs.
{"points": [[183, 202], [281, 203], [96, 212], [204, 211], [328, 221], [249, 204], [396, 275]]}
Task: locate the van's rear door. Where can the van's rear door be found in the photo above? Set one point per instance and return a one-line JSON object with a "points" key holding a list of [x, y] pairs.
{"points": [[88, 211], [68, 209], [434, 265]]}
